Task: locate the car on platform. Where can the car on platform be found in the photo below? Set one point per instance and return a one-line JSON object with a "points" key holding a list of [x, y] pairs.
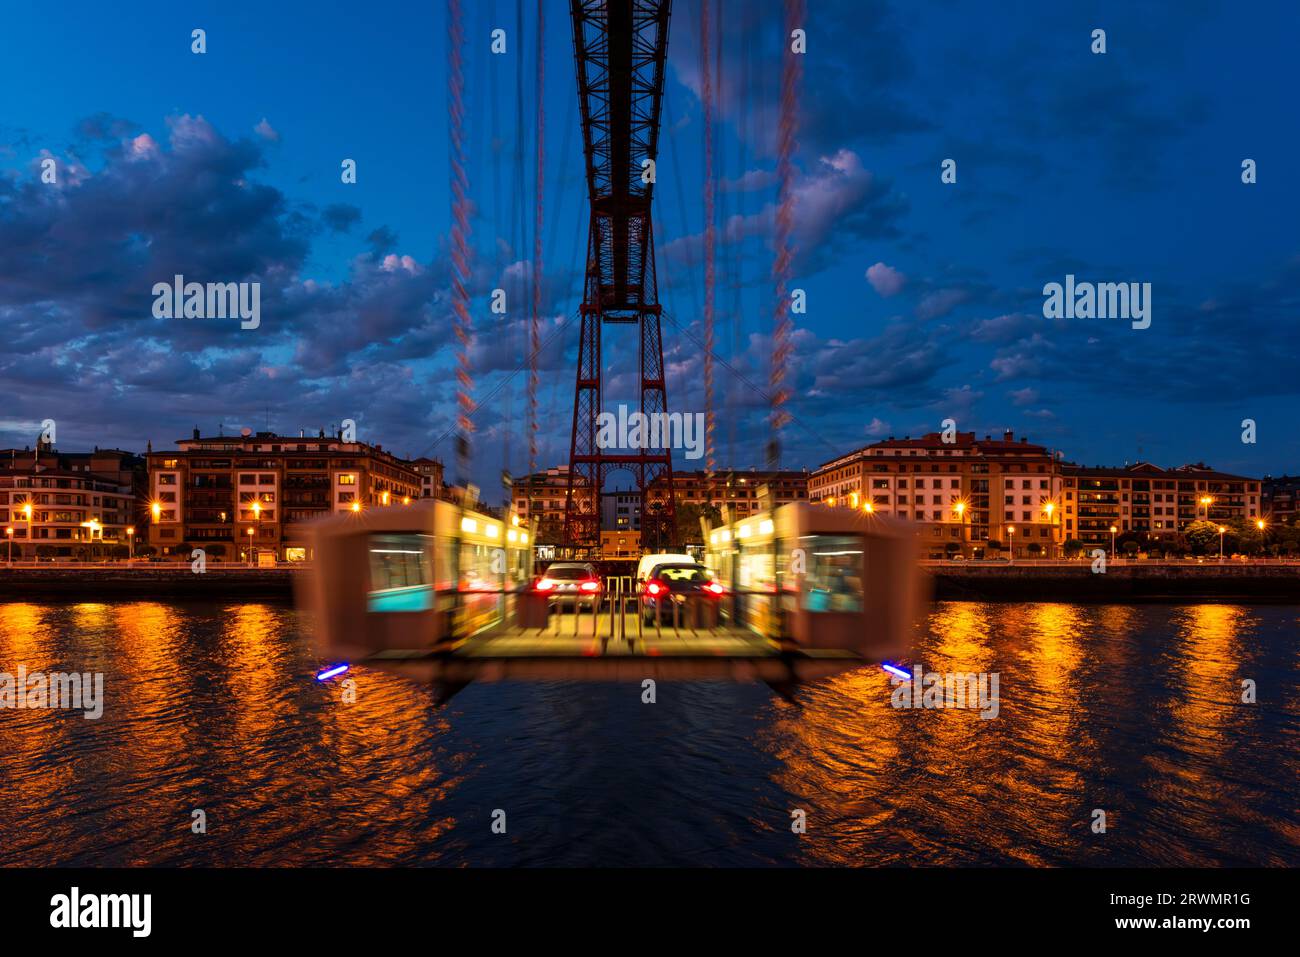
{"points": [[567, 583], [676, 582], [648, 562]]}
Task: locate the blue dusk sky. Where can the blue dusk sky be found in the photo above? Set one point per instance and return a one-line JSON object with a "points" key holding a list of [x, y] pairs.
{"points": [[925, 299]]}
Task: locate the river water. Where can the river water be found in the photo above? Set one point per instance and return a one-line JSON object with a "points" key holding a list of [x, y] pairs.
{"points": [[1133, 710]]}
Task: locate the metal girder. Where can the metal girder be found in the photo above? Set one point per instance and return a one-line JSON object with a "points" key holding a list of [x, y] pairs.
{"points": [[620, 48]]}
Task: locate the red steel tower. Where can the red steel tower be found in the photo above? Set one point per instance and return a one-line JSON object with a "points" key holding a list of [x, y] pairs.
{"points": [[619, 48]]}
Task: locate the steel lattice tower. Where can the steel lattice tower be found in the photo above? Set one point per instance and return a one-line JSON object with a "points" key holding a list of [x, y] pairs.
{"points": [[619, 49]]}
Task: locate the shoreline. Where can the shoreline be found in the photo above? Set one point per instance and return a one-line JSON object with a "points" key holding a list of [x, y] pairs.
{"points": [[1121, 582], [1001, 582]]}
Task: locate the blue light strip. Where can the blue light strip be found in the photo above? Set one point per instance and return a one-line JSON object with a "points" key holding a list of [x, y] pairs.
{"points": [[895, 670], [331, 672]]}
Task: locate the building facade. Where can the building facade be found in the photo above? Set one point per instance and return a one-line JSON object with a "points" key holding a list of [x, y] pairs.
{"points": [[620, 510], [540, 498], [1278, 498], [1153, 502], [739, 489], [966, 496], [70, 505], [61, 514], [430, 472], [240, 496]]}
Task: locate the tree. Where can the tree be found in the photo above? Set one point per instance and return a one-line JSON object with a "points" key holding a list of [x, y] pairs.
{"points": [[1072, 547], [1244, 536], [1202, 537], [688, 521], [1130, 548], [549, 531]]}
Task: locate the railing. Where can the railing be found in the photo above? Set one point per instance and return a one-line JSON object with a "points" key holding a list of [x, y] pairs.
{"points": [[609, 610]]}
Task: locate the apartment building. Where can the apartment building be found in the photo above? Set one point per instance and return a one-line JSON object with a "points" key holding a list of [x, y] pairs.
{"points": [[1278, 499], [620, 510], [965, 495], [540, 498], [240, 496], [56, 504], [740, 489], [1154, 502], [431, 473], [58, 513]]}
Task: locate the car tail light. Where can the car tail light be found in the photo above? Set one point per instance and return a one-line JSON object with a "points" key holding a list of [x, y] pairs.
{"points": [[545, 584], [653, 588], [713, 587], [591, 584]]}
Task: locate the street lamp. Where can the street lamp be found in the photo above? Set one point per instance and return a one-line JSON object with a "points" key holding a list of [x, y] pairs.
{"points": [[1113, 530], [130, 538], [9, 534], [1222, 529], [27, 510], [1207, 501], [1011, 542], [1050, 508], [250, 546], [960, 509]]}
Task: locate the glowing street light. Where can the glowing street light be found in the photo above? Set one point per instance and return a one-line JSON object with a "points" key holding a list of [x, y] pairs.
{"points": [[1049, 508], [1011, 542], [250, 546], [27, 511], [156, 508], [9, 534], [356, 505], [869, 508], [1222, 529], [130, 538], [1113, 530]]}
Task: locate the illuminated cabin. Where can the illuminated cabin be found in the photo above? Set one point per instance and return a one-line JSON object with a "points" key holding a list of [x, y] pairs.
{"points": [[821, 578], [420, 578]]}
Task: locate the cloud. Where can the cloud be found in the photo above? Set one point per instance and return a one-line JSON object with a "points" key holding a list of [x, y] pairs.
{"points": [[266, 131], [1004, 328], [837, 203], [340, 217], [937, 304], [886, 280]]}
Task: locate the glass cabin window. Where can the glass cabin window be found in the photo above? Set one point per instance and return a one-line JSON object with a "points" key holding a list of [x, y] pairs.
{"points": [[835, 570]]}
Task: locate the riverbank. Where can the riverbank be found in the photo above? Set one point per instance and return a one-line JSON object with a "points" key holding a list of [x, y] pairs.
{"points": [[1121, 582], [107, 582], [976, 581]]}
